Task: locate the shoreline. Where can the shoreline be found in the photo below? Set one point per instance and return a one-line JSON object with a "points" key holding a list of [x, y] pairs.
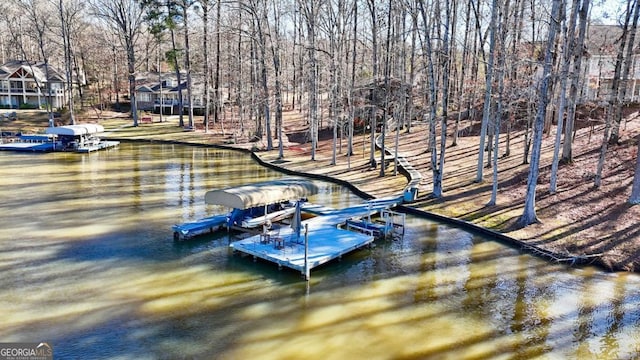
{"points": [[579, 224], [522, 246]]}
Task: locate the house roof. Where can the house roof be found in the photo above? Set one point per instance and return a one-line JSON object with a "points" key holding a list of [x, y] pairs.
{"points": [[150, 82], [37, 70], [605, 39]]}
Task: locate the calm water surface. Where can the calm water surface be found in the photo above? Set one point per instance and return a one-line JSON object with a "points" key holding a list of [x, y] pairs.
{"points": [[87, 263]]}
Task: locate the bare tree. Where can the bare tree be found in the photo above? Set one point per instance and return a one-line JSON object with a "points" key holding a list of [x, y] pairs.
{"points": [[71, 13], [529, 214], [39, 23], [578, 50], [437, 163], [205, 5], [500, 74], [277, 71], [125, 18], [614, 95], [635, 188], [353, 81], [463, 72], [186, 5], [628, 60], [488, 90], [564, 74], [310, 11], [216, 79]]}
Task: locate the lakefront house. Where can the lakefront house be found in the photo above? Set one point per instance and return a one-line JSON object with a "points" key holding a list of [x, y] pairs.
{"points": [[155, 91], [24, 84], [602, 46]]}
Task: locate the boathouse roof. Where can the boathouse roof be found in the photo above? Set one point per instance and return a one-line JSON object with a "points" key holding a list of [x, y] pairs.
{"points": [[75, 130], [262, 193]]}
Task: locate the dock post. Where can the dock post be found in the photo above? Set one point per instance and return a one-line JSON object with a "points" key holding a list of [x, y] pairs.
{"points": [[306, 252]]}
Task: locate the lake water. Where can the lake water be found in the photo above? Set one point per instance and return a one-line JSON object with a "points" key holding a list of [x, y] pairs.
{"points": [[88, 264]]}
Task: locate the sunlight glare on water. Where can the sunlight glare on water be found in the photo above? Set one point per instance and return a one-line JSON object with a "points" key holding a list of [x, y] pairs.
{"points": [[89, 265]]}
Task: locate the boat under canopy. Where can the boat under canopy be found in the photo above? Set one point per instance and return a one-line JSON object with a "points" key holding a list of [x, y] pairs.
{"points": [[261, 194], [76, 130]]}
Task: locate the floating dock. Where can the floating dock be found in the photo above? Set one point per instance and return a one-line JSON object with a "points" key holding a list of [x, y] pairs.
{"points": [[325, 240], [81, 138], [103, 144], [286, 239]]}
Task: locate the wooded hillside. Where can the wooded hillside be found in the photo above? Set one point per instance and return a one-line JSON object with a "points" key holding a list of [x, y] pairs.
{"points": [[356, 67]]}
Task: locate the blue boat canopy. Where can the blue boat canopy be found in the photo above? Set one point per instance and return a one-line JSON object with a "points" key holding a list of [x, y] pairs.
{"points": [[262, 193]]}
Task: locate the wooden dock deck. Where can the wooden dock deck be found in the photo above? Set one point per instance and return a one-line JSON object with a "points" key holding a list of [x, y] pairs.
{"points": [[286, 249], [326, 241]]}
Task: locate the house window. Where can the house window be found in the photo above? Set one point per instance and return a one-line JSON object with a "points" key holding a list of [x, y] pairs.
{"points": [[168, 83], [16, 85]]}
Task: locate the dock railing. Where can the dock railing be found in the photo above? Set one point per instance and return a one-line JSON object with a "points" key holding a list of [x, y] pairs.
{"points": [[362, 229], [394, 222]]}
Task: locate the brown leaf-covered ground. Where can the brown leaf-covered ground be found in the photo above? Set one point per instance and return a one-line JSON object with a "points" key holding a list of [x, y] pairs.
{"points": [[578, 222]]}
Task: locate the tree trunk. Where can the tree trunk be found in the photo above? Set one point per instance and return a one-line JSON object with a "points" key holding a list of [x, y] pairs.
{"points": [[578, 50], [488, 91], [503, 31], [131, 64], [264, 82], [374, 38], [617, 120], [432, 95], [635, 188], [412, 71], [206, 69], [529, 214], [275, 51], [463, 68], [176, 64], [216, 80], [310, 9], [446, 68], [387, 90], [613, 99], [564, 73], [353, 81], [352, 85], [66, 44], [187, 62]]}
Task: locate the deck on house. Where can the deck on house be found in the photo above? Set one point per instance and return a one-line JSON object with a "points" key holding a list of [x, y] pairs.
{"points": [[326, 241]]}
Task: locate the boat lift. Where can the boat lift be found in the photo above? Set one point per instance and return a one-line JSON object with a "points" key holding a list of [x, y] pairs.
{"points": [[252, 205]]}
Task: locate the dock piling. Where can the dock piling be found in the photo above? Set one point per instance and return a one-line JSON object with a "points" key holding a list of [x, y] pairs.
{"points": [[306, 253]]}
